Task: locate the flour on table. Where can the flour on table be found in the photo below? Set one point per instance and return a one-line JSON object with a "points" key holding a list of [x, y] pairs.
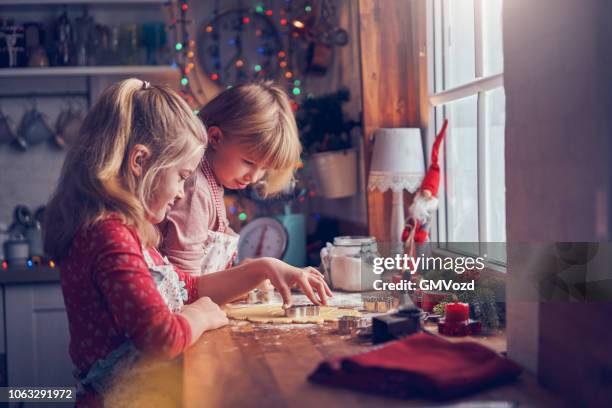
{"points": [[276, 315]]}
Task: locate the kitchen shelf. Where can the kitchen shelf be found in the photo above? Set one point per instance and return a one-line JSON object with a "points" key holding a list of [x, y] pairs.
{"points": [[76, 2], [85, 71], [25, 275]]}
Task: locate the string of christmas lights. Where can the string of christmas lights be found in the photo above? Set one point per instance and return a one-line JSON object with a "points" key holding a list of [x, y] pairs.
{"points": [[185, 50]]}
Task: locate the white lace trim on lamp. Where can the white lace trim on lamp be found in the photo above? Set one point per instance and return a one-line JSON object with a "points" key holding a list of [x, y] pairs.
{"points": [[397, 164], [396, 182]]}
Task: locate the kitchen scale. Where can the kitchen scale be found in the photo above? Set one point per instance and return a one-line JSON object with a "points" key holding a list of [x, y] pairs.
{"points": [[281, 237], [264, 236]]}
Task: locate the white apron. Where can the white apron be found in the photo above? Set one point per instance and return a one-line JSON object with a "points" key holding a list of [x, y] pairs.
{"points": [[172, 290], [169, 286], [220, 246]]}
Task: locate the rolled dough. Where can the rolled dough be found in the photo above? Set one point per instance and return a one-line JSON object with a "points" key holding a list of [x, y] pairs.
{"points": [[276, 315]]}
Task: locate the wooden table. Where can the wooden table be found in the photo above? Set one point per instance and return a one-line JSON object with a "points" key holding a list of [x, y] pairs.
{"points": [[247, 365]]}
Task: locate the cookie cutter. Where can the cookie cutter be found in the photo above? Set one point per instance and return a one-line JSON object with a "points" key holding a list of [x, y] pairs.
{"points": [[260, 296], [302, 311], [378, 304], [350, 324]]}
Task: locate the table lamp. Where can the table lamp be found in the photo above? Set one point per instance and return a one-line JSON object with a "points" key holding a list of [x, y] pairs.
{"points": [[397, 165]]}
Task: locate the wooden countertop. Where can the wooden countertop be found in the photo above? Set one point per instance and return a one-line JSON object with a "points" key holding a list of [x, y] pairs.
{"points": [[263, 365]]}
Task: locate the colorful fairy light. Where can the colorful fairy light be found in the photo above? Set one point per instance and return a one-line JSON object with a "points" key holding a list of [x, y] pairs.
{"points": [[290, 22], [184, 47]]}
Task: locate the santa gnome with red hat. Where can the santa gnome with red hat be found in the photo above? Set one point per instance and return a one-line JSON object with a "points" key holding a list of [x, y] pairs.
{"points": [[425, 201]]}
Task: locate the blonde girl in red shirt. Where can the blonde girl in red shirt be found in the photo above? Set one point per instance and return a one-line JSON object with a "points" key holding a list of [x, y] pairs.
{"points": [[137, 146], [253, 138]]}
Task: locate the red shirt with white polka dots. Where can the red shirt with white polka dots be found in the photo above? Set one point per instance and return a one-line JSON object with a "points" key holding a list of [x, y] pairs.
{"points": [[110, 296]]}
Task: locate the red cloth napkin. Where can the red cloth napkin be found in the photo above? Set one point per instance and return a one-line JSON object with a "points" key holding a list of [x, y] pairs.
{"points": [[420, 365]]}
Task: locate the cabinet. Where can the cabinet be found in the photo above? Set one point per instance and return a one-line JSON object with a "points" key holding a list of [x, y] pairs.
{"points": [[37, 336]]}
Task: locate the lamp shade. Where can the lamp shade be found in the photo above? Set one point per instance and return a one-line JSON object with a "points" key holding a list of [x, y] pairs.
{"points": [[397, 161]]}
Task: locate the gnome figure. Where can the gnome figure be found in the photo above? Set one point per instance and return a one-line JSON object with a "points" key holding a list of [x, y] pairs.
{"points": [[425, 202]]}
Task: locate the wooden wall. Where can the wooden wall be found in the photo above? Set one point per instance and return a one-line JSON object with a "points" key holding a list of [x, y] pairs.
{"points": [[394, 81]]}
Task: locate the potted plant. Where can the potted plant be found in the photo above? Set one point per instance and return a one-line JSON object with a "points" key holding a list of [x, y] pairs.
{"points": [[326, 138]]}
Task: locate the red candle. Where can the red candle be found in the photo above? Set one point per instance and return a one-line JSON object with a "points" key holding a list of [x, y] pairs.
{"points": [[456, 312]]}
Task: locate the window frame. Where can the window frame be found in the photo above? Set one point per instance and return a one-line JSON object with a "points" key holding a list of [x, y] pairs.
{"points": [[479, 87]]}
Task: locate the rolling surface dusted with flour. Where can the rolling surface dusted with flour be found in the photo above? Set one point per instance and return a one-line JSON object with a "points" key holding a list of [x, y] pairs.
{"points": [[276, 315]]}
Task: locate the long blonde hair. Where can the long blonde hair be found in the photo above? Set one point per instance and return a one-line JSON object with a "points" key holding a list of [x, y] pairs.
{"points": [[258, 115], [96, 179]]}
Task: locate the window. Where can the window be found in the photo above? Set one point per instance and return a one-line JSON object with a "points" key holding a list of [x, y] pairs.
{"points": [[466, 87]]}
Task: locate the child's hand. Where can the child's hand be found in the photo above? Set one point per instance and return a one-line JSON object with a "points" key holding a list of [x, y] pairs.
{"points": [[204, 315], [283, 276]]}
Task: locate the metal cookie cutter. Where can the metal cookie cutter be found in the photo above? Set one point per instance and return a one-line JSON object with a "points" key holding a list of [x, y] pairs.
{"points": [[350, 324], [379, 304], [302, 311], [260, 296]]}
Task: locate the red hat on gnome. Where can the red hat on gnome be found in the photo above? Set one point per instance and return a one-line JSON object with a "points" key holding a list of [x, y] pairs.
{"points": [[431, 181]]}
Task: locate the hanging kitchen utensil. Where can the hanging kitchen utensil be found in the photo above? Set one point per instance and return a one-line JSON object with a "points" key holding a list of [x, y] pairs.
{"points": [[6, 130], [67, 127], [33, 129]]}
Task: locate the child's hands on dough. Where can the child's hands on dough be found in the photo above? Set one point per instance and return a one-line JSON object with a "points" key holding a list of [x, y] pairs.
{"points": [[204, 315], [283, 276]]}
